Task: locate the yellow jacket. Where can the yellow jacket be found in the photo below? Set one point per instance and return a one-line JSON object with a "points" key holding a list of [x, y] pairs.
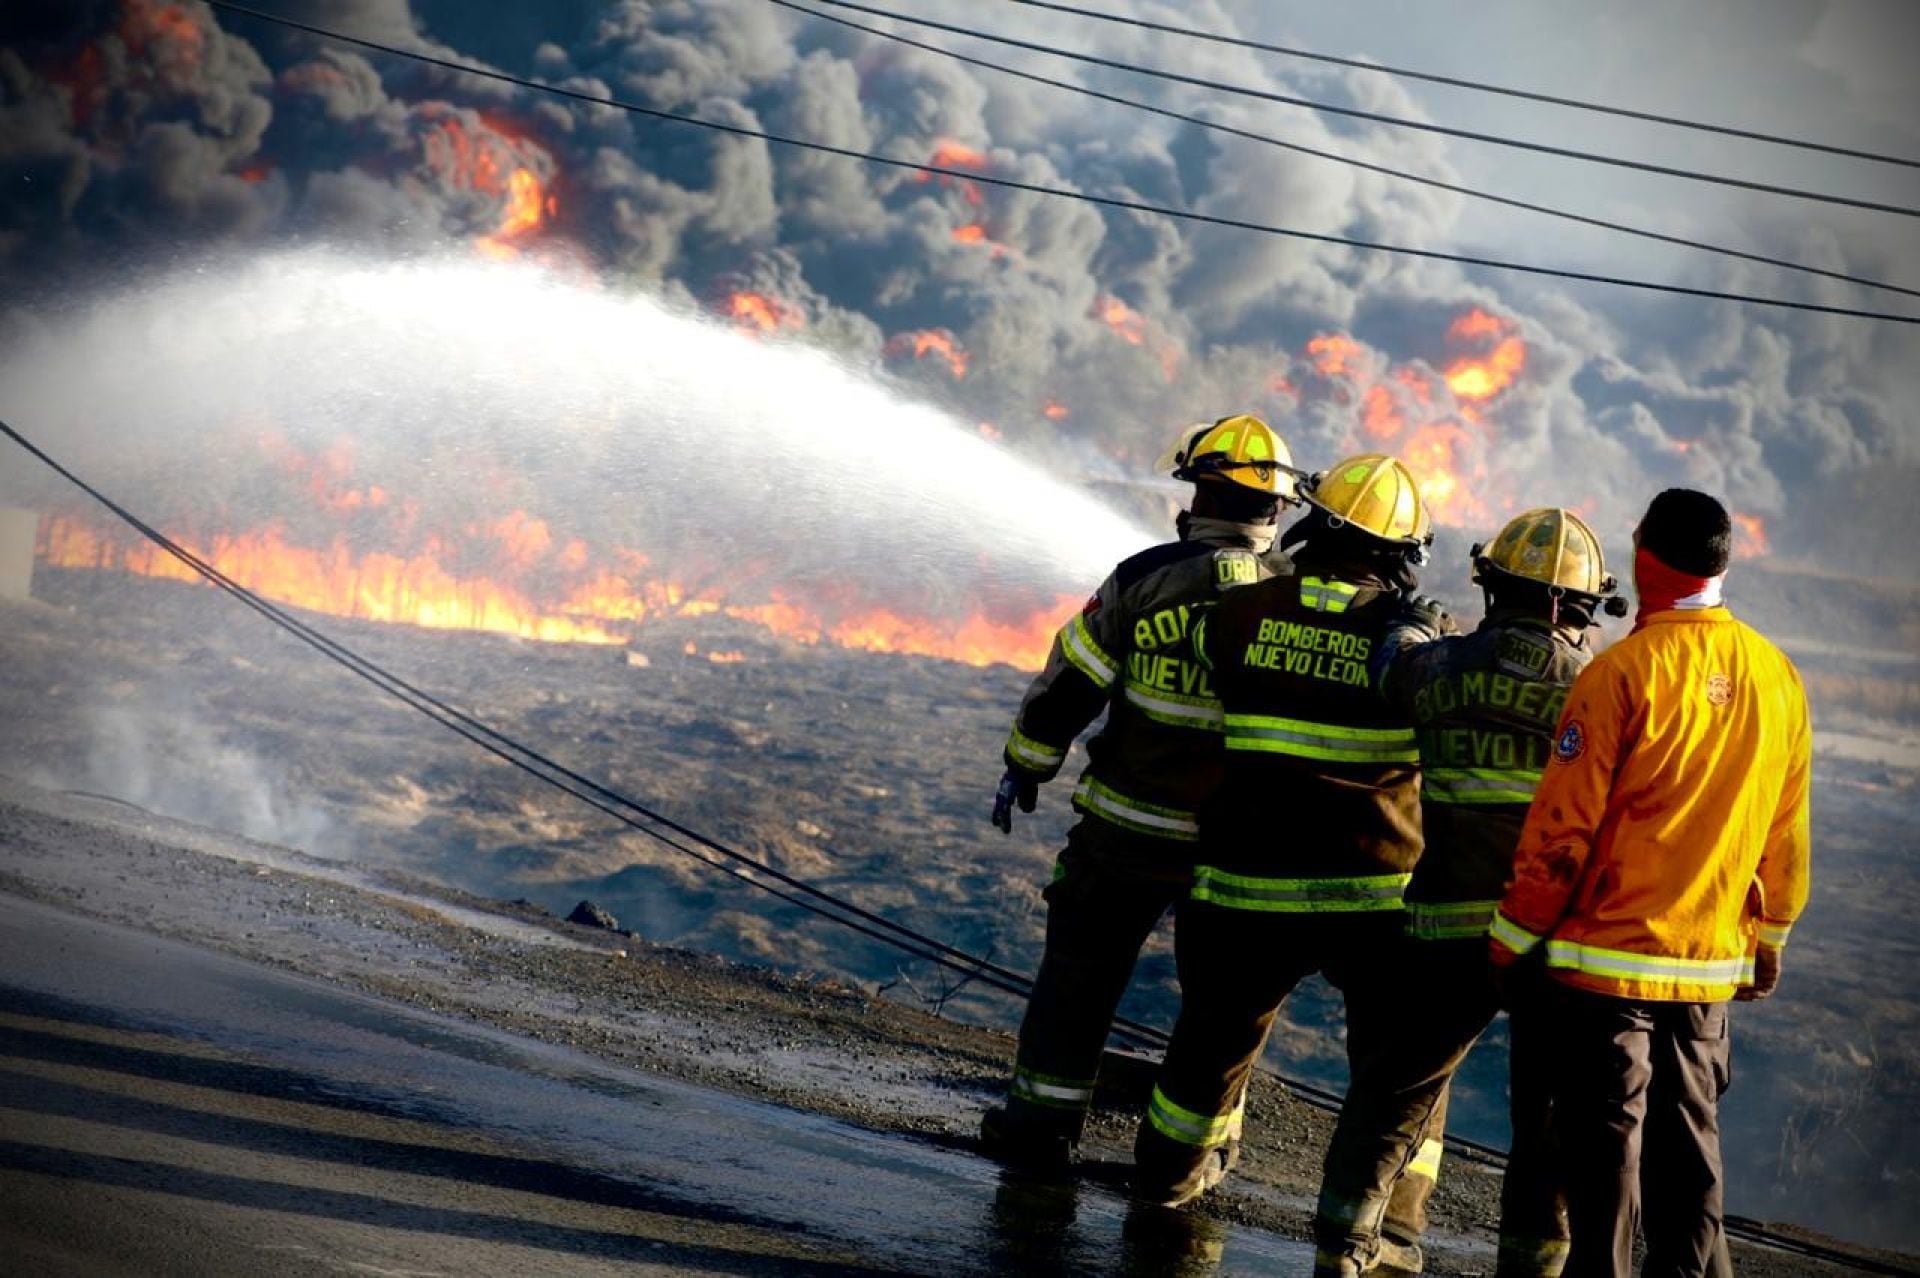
{"points": [[1669, 836]]}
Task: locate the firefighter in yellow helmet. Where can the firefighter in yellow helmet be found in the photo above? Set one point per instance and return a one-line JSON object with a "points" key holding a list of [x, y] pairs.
{"points": [[1312, 836], [1150, 766], [1483, 706]]}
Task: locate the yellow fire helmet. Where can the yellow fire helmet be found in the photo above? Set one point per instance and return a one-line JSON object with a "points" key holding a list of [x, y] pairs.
{"points": [[1376, 494], [1241, 450], [1551, 546]]}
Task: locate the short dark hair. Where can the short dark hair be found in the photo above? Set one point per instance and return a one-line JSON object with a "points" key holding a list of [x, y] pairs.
{"points": [[1688, 530]]}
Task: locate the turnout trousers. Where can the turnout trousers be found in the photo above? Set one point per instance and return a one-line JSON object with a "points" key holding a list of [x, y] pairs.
{"points": [[1110, 888], [1381, 1167], [1236, 968], [1637, 1087]]}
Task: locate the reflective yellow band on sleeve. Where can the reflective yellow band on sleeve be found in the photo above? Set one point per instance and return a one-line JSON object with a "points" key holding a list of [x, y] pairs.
{"points": [[1330, 895], [1077, 643], [1177, 1123], [1107, 803], [1449, 920], [1466, 786], [1625, 965], [1774, 935], [1172, 709], [1511, 934], [1325, 742], [1036, 756]]}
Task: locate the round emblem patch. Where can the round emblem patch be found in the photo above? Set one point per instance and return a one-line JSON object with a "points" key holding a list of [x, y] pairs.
{"points": [[1572, 743], [1719, 689]]}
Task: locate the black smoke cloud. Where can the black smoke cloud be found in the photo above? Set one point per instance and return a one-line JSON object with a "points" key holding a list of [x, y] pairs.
{"points": [[139, 131]]}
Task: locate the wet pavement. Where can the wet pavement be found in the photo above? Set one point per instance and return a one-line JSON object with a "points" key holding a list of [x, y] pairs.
{"points": [[166, 1109]]}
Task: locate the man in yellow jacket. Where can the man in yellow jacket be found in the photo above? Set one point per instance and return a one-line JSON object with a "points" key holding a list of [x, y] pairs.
{"points": [[1663, 860]]}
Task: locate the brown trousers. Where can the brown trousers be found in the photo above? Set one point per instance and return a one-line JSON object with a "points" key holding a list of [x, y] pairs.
{"points": [[1636, 1089], [1439, 1001], [1110, 889]]}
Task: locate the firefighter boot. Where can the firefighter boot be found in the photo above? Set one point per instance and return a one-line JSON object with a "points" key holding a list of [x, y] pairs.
{"points": [[1171, 1174], [1014, 1136]]}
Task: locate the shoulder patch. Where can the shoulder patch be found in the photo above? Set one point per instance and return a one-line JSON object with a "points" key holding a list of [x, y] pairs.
{"points": [[1719, 689], [1523, 653], [1233, 567], [1572, 742]]}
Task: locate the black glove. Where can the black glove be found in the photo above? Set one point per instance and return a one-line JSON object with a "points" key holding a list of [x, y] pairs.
{"points": [[1426, 614], [1014, 786]]}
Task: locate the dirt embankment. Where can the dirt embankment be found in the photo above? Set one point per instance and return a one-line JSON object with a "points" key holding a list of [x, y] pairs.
{"points": [[813, 1043]]}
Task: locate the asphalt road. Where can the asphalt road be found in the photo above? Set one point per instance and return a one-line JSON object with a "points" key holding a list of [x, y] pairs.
{"points": [[168, 1110]]}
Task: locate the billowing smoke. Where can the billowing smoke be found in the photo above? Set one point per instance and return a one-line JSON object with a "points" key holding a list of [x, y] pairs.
{"points": [[136, 132]]}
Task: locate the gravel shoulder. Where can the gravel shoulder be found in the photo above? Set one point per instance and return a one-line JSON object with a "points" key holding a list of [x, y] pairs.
{"points": [[812, 1043]]}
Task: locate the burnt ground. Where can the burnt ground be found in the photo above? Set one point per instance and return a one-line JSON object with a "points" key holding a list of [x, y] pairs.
{"points": [[869, 775], [812, 1043]]}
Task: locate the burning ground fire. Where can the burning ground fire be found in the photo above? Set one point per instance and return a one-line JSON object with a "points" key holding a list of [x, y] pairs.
{"points": [[530, 583]]}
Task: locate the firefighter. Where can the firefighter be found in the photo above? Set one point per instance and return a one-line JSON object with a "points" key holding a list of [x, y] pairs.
{"points": [[1662, 863], [1130, 856], [1484, 707], [1310, 840]]}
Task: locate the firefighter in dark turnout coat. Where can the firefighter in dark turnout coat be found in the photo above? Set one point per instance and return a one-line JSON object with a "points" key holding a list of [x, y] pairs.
{"points": [[1484, 706], [1152, 764], [1311, 838]]}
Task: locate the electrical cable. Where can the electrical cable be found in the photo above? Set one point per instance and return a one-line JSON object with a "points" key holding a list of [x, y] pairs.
{"points": [[1479, 86], [610, 802], [1401, 122], [1036, 188], [1337, 158]]}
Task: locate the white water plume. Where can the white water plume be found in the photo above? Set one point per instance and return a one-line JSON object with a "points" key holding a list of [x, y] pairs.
{"points": [[474, 387]]}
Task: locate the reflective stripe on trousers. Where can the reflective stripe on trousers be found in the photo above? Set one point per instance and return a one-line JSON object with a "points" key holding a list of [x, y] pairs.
{"points": [[1427, 1161], [1449, 920], [1533, 1257], [1202, 1131], [1463, 786], [1326, 742], [1138, 815], [1046, 1089], [1173, 709], [1299, 896]]}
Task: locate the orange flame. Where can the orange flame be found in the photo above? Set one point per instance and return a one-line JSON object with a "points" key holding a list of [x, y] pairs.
{"points": [[1054, 410], [1129, 324], [756, 312], [948, 154], [488, 157], [1477, 378], [1750, 537], [1440, 434], [513, 574], [931, 341]]}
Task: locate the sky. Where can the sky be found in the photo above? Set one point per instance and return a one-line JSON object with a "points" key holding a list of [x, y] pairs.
{"points": [[137, 135]]}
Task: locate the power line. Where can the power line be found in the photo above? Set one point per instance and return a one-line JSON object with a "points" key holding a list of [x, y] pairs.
{"points": [[1370, 166], [1480, 86], [1037, 188], [1425, 126], [823, 904]]}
